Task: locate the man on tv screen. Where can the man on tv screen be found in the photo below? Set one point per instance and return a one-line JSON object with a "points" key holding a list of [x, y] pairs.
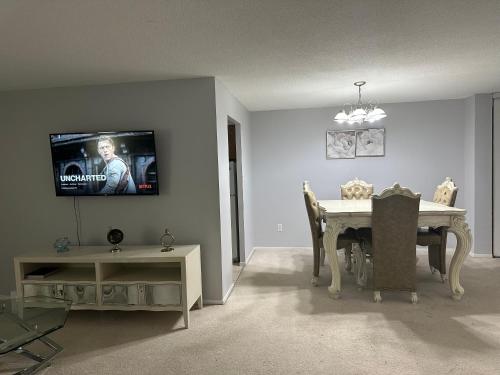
{"points": [[117, 172]]}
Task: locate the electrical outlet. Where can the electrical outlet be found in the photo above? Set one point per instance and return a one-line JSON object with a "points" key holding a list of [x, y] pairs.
{"points": [[280, 227]]}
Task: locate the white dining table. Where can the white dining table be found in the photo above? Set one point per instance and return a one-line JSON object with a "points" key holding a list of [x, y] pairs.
{"points": [[343, 214]]}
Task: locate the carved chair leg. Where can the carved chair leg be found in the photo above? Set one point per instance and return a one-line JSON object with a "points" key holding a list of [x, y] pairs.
{"points": [[356, 264], [435, 259], [360, 261], [315, 281], [414, 297], [444, 278], [348, 259], [377, 297], [316, 260]]}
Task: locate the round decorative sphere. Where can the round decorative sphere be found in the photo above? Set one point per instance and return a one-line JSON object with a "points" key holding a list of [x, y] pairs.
{"points": [[115, 236]]}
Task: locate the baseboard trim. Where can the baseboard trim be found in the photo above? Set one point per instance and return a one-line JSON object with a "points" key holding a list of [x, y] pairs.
{"points": [[230, 290], [213, 302], [480, 255], [420, 250], [248, 260], [282, 247], [339, 251], [220, 301]]}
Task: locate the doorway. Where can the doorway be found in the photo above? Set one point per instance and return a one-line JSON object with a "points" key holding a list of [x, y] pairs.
{"points": [[234, 191]]}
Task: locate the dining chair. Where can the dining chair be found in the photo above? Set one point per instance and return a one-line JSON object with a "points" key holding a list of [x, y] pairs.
{"points": [[435, 238], [394, 238], [356, 189], [315, 222]]}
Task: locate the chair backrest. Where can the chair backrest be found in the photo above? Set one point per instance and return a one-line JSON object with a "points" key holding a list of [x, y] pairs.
{"points": [[394, 238], [306, 186], [356, 189], [446, 193], [313, 211]]}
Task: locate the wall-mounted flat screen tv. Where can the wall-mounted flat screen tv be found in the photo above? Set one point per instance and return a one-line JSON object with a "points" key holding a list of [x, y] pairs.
{"points": [[104, 163]]}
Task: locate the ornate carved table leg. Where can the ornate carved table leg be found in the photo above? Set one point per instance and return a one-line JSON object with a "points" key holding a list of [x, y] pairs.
{"points": [[333, 228], [464, 241]]}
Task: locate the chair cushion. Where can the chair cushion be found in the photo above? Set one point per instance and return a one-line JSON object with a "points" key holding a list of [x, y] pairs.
{"points": [[428, 236], [346, 239], [364, 234]]}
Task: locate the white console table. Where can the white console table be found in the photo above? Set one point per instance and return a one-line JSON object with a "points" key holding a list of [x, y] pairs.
{"points": [[137, 278]]}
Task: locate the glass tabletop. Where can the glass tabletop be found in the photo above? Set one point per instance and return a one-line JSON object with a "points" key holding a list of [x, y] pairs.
{"points": [[23, 320]]}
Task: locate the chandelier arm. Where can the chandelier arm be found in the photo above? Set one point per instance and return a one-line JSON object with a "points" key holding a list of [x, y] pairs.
{"points": [[360, 113]]}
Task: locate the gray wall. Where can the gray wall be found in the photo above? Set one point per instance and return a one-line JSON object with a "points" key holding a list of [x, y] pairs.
{"points": [[182, 114], [424, 144], [228, 106]]}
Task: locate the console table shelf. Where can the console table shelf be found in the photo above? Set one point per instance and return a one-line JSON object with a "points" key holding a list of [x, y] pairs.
{"points": [[65, 275], [141, 273], [137, 278]]}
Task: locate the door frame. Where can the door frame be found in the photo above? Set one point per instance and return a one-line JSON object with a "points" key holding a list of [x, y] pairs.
{"points": [[239, 189], [496, 96]]}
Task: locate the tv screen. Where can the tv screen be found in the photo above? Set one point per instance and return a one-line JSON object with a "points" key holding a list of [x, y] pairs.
{"points": [[104, 163]]}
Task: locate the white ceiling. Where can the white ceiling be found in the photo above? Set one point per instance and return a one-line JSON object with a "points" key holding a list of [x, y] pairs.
{"points": [[271, 54]]}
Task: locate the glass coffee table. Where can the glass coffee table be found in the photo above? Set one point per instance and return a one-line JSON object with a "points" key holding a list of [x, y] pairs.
{"points": [[29, 319]]}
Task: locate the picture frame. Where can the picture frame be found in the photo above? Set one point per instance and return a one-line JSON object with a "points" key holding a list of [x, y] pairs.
{"points": [[370, 142], [340, 144]]}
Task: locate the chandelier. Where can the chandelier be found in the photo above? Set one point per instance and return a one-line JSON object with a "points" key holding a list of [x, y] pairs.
{"points": [[359, 113]]}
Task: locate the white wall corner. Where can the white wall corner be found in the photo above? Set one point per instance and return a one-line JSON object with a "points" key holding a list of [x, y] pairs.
{"points": [[220, 301]]}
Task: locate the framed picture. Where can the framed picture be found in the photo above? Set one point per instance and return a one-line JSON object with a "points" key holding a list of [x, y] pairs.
{"points": [[370, 142], [341, 144]]}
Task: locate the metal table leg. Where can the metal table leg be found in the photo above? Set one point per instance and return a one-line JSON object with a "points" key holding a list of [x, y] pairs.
{"points": [[42, 361]]}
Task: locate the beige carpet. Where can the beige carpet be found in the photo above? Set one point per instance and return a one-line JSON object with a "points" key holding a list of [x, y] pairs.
{"points": [[275, 322]]}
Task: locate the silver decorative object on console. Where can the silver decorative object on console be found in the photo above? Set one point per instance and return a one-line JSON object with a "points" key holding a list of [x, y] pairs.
{"points": [[167, 240]]}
